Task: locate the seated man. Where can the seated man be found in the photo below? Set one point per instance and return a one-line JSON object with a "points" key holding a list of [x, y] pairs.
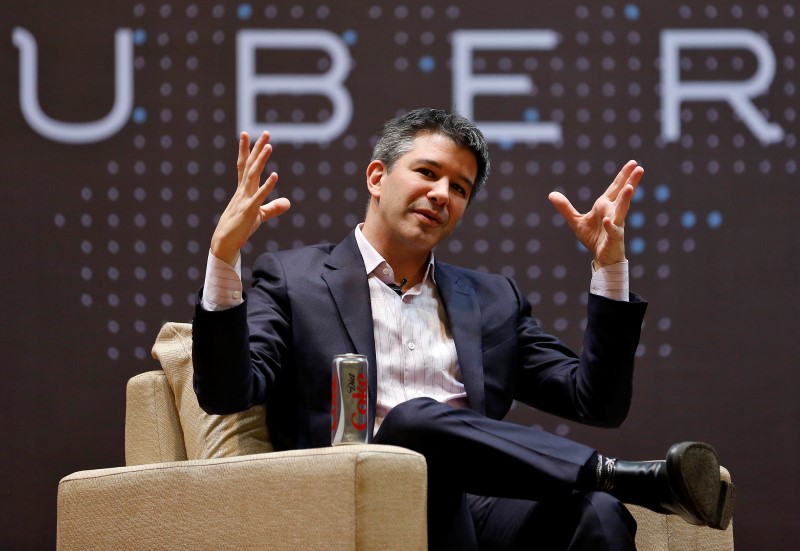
{"points": [[449, 349]]}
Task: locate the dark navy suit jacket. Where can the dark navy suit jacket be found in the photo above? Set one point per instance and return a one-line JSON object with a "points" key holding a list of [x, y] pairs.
{"points": [[310, 304]]}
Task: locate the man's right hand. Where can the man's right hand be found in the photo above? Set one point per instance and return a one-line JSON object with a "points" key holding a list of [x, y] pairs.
{"points": [[246, 210]]}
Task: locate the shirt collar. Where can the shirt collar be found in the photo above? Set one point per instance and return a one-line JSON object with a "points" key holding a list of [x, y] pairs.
{"points": [[373, 259]]}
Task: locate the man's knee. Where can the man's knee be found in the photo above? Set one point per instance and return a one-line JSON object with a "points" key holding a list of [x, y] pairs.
{"points": [[406, 421]]}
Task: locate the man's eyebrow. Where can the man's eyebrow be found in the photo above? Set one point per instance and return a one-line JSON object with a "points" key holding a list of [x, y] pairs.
{"points": [[437, 164]]}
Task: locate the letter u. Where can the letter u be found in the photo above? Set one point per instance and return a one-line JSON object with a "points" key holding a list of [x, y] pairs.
{"points": [[79, 132]]}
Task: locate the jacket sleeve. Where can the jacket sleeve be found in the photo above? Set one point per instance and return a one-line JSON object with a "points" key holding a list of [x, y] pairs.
{"points": [[593, 387], [237, 353]]}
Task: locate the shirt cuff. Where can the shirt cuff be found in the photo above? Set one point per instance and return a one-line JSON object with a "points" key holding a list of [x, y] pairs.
{"points": [[611, 281], [223, 286]]}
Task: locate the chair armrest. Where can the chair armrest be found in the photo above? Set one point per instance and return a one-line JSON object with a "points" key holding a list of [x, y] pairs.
{"points": [[657, 532], [363, 497], [152, 427]]}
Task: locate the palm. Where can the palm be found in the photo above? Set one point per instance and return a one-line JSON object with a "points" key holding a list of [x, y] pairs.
{"points": [[601, 230]]}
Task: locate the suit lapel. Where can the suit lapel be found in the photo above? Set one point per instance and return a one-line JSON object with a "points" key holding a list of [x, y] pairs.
{"points": [[463, 314], [347, 281]]}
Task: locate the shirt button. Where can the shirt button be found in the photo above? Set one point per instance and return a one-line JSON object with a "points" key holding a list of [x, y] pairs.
{"points": [[386, 271], [236, 294], [411, 346]]}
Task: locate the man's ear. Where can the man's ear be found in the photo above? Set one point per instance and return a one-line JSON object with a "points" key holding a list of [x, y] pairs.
{"points": [[375, 172]]}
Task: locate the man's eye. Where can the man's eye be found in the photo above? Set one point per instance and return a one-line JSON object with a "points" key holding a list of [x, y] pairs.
{"points": [[425, 172], [459, 189]]}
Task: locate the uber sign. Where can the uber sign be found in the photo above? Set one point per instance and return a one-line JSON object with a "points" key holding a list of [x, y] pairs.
{"points": [[466, 84]]}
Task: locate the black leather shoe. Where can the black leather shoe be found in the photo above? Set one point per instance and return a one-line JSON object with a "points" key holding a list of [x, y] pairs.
{"points": [[687, 484]]}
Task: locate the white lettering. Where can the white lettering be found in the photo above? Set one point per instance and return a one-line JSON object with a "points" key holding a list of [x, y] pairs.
{"points": [[75, 132], [329, 84], [467, 85], [738, 94]]}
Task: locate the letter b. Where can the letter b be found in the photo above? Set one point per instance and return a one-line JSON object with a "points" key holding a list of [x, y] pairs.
{"points": [[330, 84]]}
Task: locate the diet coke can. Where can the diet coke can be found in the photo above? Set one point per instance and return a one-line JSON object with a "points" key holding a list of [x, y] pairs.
{"points": [[349, 409]]}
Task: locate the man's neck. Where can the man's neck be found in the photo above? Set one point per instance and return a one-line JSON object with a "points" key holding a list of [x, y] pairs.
{"points": [[407, 264], [411, 273]]}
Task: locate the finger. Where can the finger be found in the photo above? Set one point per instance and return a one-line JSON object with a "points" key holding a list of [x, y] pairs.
{"points": [[623, 201], [256, 164], [614, 231], [623, 205], [250, 167], [244, 149], [621, 177], [620, 180], [275, 207], [265, 189], [636, 177]]}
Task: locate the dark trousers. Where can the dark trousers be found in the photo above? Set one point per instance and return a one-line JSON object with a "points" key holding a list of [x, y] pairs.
{"points": [[497, 485]]}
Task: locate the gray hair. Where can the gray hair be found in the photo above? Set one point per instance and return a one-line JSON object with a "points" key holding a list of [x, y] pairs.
{"points": [[397, 137]]}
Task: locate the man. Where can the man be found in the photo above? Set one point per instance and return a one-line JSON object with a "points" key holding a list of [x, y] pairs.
{"points": [[448, 349]]}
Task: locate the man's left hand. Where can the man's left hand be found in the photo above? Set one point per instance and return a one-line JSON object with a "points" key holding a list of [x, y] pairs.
{"points": [[602, 229]]}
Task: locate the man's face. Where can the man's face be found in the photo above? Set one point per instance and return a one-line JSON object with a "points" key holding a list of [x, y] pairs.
{"points": [[422, 198]]}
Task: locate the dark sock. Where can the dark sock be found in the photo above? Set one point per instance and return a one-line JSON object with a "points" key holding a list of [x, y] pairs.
{"points": [[597, 474]]}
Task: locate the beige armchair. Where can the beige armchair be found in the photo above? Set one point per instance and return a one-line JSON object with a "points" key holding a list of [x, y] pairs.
{"points": [[198, 481]]}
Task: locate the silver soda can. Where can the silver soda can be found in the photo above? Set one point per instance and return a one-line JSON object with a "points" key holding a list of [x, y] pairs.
{"points": [[349, 405]]}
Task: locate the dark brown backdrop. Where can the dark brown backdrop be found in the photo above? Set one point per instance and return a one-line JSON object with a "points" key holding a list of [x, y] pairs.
{"points": [[103, 241]]}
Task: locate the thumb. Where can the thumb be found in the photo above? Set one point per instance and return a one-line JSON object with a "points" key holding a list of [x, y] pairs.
{"points": [[275, 208], [562, 205]]}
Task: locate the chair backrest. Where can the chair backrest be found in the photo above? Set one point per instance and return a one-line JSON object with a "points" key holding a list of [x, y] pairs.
{"points": [[179, 419]]}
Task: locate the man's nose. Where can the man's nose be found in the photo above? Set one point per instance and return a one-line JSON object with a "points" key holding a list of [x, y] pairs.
{"points": [[439, 192]]}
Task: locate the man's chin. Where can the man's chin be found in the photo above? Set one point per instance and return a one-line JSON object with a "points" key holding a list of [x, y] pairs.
{"points": [[424, 238]]}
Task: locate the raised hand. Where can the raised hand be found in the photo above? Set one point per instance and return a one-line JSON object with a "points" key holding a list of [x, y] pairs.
{"points": [[246, 210], [602, 229]]}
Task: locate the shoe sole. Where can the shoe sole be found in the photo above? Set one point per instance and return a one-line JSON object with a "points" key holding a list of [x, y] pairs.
{"points": [[695, 468], [727, 501]]}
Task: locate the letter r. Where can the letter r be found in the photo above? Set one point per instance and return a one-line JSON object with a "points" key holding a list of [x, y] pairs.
{"points": [[737, 93], [329, 84]]}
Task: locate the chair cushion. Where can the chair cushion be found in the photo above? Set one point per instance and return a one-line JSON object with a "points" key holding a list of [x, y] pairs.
{"points": [[205, 435]]}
